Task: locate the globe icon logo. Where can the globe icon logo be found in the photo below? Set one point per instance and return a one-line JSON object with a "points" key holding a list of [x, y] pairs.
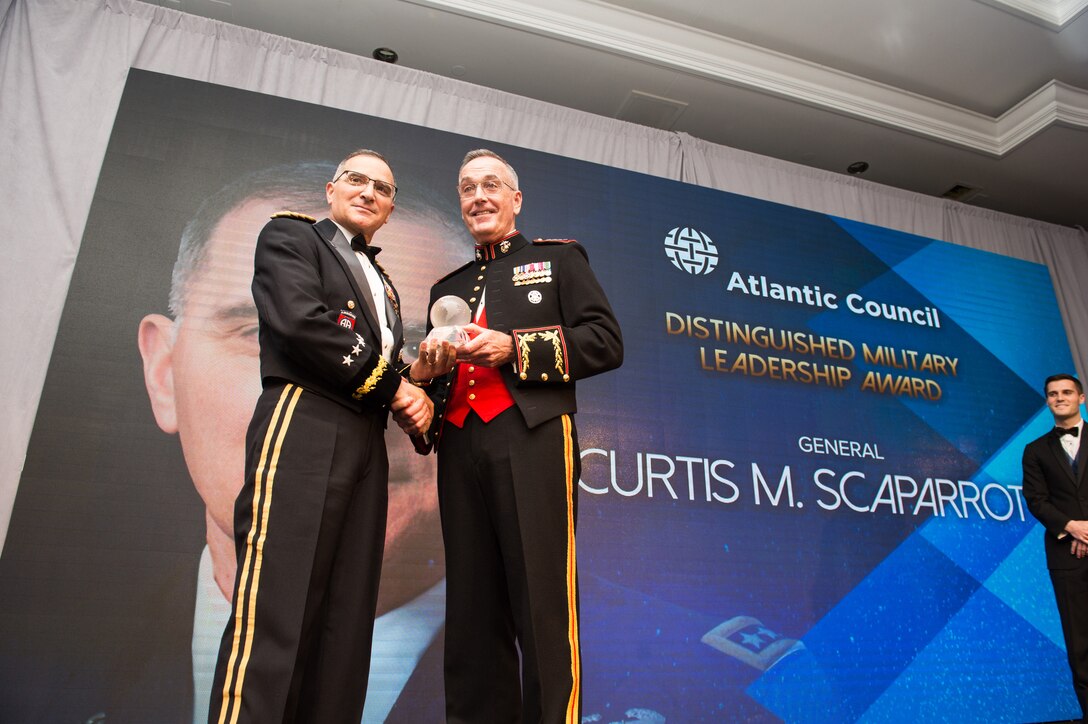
{"points": [[691, 250]]}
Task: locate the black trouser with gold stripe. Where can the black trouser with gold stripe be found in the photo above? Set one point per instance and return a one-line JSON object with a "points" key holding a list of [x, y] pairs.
{"points": [[508, 500], [309, 526]]}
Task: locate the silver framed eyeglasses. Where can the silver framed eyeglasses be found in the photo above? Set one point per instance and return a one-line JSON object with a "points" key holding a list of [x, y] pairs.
{"points": [[360, 180], [490, 187]]}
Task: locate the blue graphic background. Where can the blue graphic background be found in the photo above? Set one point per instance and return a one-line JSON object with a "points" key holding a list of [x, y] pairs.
{"points": [[902, 617]]}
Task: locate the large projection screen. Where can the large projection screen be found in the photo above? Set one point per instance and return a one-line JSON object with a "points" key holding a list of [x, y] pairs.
{"points": [[800, 496]]}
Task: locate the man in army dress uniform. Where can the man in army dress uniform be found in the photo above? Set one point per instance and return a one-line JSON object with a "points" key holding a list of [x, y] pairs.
{"points": [[508, 459], [310, 518]]}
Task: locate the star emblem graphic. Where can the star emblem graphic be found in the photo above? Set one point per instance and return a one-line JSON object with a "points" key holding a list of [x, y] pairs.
{"points": [[752, 640]]}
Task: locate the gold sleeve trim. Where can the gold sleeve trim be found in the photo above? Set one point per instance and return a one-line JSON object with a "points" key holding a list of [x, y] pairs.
{"points": [[550, 335], [372, 381]]}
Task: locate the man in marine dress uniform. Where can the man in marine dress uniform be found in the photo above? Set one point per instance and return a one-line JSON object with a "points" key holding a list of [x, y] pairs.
{"points": [[310, 518], [1056, 490], [508, 459]]}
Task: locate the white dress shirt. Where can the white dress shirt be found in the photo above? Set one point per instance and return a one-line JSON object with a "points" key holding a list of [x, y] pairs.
{"points": [[377, 294]]}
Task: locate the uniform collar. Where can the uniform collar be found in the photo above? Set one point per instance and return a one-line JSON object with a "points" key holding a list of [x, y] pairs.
{"points": [[509, 244]]}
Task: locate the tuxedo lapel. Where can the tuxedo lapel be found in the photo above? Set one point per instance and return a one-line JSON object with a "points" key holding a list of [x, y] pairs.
{"points": [[392, 302], [392, 305], [353, 268], [1082, 461], [1055, 444], [393, 308]]}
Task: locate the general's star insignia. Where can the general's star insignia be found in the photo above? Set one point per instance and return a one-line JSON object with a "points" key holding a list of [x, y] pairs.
{"points": [[348, 360]]}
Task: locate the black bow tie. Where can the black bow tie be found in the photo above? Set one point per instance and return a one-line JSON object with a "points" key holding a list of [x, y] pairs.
{"points": [[359, 244], [1059, 431]]}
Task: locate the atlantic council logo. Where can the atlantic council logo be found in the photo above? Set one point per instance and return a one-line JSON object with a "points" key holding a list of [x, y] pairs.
{"points": [[691, 250]]}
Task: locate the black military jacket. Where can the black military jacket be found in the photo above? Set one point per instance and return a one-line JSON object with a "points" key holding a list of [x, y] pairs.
{"points": [[318, 327], [545, 294]]}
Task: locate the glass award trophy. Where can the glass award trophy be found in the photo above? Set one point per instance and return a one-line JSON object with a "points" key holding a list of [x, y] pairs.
{"points": [[449, 315]]}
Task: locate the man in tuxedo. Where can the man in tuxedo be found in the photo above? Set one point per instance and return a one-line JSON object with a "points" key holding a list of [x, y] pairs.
{"points": [[1056, 490]]}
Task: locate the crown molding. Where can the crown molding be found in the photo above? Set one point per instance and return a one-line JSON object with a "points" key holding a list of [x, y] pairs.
{"points": [[648, 39], [1051, 14]]}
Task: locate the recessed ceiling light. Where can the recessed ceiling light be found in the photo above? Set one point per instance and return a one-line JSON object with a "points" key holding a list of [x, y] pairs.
{"points": [[857, 168], [386, 55], [962, 192]]}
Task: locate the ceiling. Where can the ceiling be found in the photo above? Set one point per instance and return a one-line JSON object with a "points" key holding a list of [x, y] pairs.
{"points": [[987, 95]]}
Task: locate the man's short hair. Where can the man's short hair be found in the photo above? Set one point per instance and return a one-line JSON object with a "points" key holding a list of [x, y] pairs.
{"points": [[359, 152], [487, 153], [1063, 376], [298, 187]]}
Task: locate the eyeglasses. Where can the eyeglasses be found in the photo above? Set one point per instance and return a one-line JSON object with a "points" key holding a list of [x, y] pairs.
{"points": [[490, 186], [360, 180]]}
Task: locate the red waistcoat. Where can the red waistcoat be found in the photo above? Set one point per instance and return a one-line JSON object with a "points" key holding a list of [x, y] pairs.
{"points": [[477, 388]]}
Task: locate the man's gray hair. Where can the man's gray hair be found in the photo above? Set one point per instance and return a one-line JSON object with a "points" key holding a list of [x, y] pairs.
{"points": [[487, 153], [359, 152]]}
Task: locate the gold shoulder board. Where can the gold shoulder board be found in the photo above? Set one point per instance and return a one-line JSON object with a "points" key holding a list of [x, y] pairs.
{"points": [[293, 215]]}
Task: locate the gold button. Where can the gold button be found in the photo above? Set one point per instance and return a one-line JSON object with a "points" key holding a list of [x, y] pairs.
{"points": [[471, 396], [480, 278], [543, 376], [475, 289], [566, 378], [472, 383], [472, 368], [351, 304], [483, 268], [523, 376], [473, 299]]}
